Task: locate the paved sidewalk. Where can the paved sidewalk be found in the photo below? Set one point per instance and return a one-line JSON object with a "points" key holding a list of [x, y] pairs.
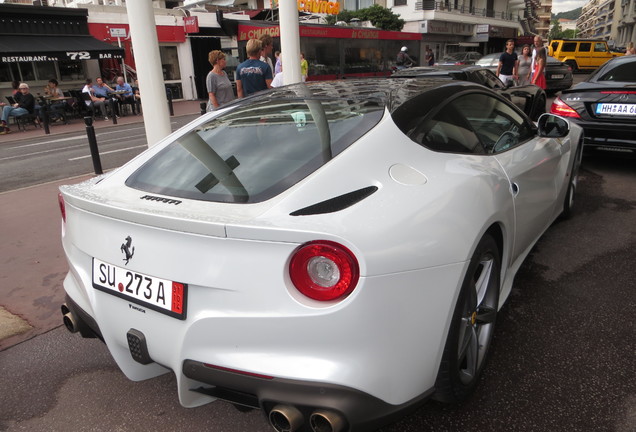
{"points": [[32, 260], [180, 108]]}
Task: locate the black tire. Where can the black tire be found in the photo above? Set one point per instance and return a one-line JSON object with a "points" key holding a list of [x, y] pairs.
{"points": [[472, 325], [573, 181], [573, 65]]}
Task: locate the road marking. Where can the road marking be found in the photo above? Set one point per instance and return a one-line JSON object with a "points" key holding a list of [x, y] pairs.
{"points": [[41, 152], [71, 138], [108, 152]]}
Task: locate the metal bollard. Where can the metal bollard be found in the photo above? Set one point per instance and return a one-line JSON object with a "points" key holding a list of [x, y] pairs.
{"points": [[44, 112], [169, 96], [204, 107], [112, 110], [92, 144]]}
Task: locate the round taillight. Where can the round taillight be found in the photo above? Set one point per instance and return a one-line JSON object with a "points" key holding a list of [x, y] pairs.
{"points": [[324, 270]]}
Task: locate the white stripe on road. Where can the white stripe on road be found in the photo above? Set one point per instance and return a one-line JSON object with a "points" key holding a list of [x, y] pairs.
{"points": [[109, 152], [41, 152], [71, 138]]}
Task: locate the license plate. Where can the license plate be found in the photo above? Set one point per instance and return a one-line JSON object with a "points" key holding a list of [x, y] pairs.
{"points": [[616, 109], [557, 76], [160, 295]]}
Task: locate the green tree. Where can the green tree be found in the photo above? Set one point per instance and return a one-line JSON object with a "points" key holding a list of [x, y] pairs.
{"points": [[556, 32], [380, 17]]}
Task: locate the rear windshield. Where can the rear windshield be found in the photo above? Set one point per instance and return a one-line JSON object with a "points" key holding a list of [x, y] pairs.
{"points": [[625, 72], [258, 150]]}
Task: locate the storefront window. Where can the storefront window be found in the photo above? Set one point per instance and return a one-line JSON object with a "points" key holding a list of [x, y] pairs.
{"points": [[45, 70], [170, 63], [71, 70], [5, 72], [27, 71], [323, 55]]}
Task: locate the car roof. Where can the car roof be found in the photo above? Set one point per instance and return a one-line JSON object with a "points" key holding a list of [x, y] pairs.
{"points": [[393, 93]]}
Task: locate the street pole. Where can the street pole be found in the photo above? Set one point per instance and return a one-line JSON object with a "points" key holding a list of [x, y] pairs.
{"points": [[123, 64], [290, 41], [143, 34]]}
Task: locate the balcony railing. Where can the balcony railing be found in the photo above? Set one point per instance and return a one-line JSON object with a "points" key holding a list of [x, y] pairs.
{"points": [[448, 6]]}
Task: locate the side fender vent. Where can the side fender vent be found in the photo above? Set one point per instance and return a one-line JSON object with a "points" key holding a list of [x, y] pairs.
{"points": [[337, 203]]}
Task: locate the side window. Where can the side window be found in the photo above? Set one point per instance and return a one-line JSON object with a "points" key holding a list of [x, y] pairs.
{"points": [[498, 126], [600, 47], [554, 46], [448, 132], [568, 47], [585, 46]]}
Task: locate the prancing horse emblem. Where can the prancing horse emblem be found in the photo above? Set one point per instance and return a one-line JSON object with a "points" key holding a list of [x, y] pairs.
{"points": [[125, 248]]}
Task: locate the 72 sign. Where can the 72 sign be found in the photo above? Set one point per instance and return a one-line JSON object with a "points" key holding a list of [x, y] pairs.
{"points": [[78, 55]]}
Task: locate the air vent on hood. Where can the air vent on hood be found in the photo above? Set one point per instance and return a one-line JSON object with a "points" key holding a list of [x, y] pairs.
{"points": [[337, 203]]}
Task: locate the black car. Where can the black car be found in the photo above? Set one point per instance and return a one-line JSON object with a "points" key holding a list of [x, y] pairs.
{"points": [[459, 58], [604, 105], [558, 75], [529, 98]]}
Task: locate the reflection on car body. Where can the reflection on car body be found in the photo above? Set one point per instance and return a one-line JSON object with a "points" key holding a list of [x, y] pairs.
{"points": [[529, 98], [558, 75], [288, 223]]}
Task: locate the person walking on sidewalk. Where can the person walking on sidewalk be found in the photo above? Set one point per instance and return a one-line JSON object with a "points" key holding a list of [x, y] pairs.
{"points": [[25, 104], [253, 75], [217, 82]]}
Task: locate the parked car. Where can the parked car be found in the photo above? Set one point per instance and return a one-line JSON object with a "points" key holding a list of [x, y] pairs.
{"points": [[582, 54], [531, 99], [460, 58], [332, 253], [558, 75], [604, 105]]}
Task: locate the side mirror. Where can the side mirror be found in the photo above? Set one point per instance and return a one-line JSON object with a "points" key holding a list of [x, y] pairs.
{"points": [[551, 126]]}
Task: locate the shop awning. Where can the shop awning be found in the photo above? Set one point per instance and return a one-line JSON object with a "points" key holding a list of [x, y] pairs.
{"points": [[42, 48]]}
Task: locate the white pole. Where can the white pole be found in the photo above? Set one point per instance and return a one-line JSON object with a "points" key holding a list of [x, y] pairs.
{"points": [[289, 41], [143, 34]]}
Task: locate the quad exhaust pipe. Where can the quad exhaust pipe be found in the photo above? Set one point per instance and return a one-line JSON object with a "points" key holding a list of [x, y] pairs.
{"points": [[287, 418], [326, 421], [69, 320]]}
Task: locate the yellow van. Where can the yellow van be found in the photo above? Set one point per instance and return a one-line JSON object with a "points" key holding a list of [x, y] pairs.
{"points": [[581, 54]]}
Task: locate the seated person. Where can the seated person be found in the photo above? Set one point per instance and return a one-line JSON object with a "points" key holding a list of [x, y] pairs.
{"points": [[103, 90], [137, 95], [25, 104], [98, 102], [56, 108], [127, 97]]}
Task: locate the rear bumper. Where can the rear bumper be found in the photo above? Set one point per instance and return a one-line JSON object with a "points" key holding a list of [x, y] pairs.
{"points": [[361, 410], [609, 136]]}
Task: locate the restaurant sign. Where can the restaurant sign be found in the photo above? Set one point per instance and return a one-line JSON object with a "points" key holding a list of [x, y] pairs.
{"points": [[315, 6]]}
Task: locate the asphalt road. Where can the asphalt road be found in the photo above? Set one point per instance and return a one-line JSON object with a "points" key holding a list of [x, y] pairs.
{"points": [[49, 158], [563, 357]]}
